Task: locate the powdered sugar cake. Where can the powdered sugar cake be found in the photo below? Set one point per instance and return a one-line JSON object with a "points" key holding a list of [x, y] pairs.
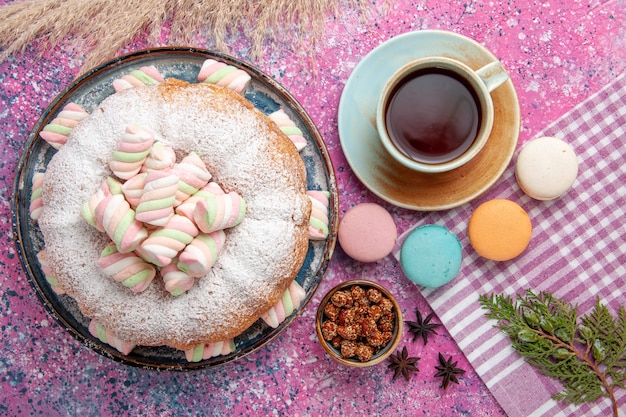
{"points": [[245, 152]]}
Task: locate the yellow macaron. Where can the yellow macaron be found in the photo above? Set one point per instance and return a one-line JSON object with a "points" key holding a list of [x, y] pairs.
{"points": [[499, 230]]}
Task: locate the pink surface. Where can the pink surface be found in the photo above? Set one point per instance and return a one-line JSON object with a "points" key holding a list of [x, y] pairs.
{"points": [[558, 53]]}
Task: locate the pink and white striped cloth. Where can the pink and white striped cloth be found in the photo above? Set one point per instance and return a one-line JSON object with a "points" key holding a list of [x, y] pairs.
{"points": [[577, 252]]}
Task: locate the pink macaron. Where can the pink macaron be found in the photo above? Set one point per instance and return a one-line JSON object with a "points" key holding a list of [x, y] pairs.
{"points": [[367, 232]]}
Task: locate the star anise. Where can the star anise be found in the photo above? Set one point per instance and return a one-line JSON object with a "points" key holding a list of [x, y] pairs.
{"points": [[422, 328], [448, 370], [402, 364]]}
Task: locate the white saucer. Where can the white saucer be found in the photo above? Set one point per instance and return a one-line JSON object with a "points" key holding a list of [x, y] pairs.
{"points": [[390, 180]]}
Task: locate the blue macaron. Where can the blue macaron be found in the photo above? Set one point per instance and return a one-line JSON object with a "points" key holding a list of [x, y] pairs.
{"points": [[431, 256]]}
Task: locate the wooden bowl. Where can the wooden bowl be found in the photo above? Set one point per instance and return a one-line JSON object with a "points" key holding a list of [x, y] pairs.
{"points": [[379, 355]]}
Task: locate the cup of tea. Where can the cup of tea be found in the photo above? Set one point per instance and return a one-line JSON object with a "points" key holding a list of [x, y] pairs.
{"points": [[435, 114]]}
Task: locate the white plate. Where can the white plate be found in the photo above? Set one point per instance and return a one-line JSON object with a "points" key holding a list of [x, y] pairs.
{"points": [[375, 168]]}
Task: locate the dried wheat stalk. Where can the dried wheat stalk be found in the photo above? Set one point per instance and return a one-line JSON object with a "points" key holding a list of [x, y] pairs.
{"points": [[104, 27]]}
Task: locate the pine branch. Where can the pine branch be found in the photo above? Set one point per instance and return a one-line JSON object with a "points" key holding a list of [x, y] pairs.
{"points": [[588, 358]]}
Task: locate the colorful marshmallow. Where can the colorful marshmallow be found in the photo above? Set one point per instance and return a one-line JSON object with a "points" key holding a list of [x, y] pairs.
{"points": [[57, 131], [192, 176], [117, 219], [200, 255], [161, 157], [318, 224], [176, 281], [88, 210], [219, 211], [131, 153], [289, 302], [151, 215], [36, 203], [113, 185], [164, 244], [97, 330], [289, 128], [147, 75], [126, 268], [204, 351], [156, 205], [110, 186], [187, 207], [42, 257], [222, 74], [133, 189]]}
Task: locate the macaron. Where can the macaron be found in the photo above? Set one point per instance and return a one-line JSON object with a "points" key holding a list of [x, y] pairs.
{"points": [[546, 168], [367, 232], [431, 256], [499, 230]]}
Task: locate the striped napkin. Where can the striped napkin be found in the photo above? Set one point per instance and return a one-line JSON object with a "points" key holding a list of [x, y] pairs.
{"points": [[577, 252]]}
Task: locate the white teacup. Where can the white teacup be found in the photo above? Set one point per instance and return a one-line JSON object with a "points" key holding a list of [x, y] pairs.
{"points": [[435, 114]]}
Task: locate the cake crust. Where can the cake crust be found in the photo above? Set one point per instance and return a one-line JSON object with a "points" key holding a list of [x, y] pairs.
{"points": [[245, 152]]}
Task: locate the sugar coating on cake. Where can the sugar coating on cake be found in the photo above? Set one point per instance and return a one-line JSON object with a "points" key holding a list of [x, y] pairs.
{"points": [[245, 152]]}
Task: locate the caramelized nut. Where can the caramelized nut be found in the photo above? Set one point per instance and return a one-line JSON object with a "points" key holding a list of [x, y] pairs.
{"points": [[386, 305], [348, 348], [358, 322], [329, 330], [336, 342], [375, 312], [368, 326], [347, 316], [386, 323], [341, 299], [364, 352], [331, 311], [376, 339], [357, 293], [374, 295], [349, 332]]}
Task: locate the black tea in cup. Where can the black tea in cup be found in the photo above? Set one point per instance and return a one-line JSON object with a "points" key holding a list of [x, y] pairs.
{"points": [[432, 116]]}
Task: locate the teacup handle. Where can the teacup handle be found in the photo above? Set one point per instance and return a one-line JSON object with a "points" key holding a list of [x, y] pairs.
{"points": [[493, 75]]}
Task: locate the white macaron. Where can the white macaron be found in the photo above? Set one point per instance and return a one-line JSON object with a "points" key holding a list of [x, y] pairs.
{"points": [[546, 168]]}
